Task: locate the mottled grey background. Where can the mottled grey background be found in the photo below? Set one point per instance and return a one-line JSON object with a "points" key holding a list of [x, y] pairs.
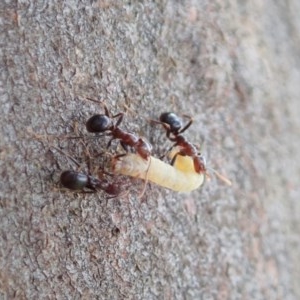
{"points": [[234, 67]]}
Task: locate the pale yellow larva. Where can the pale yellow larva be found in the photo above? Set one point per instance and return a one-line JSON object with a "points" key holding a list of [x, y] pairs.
{"points": [[159, 172]]}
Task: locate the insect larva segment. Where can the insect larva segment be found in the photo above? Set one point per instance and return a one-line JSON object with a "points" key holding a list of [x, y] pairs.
{"points": [[157, 172]]}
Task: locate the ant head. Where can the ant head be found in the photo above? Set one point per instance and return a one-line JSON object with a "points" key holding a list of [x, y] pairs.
{"points": [[98, 123], [73, 180], [113, 189], [144, 148], [172, 120], [200, 163], [203, 162]]}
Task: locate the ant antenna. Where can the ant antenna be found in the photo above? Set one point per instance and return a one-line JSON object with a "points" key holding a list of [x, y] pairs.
{"points": [[95, 100], [220, 176]]}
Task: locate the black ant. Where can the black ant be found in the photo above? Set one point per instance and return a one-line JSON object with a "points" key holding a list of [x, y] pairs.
{"points": [[104, 123], [79, 181], [173, 126]]}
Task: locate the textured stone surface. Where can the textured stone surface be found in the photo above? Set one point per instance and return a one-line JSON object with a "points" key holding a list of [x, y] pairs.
{"points": [[233, 67]]}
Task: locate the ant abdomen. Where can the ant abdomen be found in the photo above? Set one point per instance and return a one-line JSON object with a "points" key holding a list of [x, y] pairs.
{"points": [[98, 123], [79, 182], [74, 180], [172, 120]]}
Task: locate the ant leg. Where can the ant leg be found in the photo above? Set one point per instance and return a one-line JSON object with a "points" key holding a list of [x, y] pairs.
{"points": [[109, 143], [106, 111], [120, 115], [155, 121], [161, 157], [175, 156], [173, 159], [168, 134], [102, 103], [119, 155], [172, 139], [107, 173], [187, 125], [165, 125], [121, 194], [167, 128], [96, 101], [124, 146]]}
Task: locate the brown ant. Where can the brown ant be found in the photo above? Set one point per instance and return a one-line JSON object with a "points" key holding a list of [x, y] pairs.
{"points": [[79, 181], [173, 126], [103, 123]]}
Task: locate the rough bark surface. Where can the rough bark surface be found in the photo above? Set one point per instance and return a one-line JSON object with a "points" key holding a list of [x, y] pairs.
{"points": [[233, 66]]}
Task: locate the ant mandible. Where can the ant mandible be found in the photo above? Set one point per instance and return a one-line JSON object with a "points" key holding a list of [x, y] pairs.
{"points": [[103, 123], [79, 181], [173, 126]]}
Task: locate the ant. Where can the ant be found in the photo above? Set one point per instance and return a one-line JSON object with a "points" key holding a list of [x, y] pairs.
{"points": [[79, 181], [173, 126], [104, 123]]}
